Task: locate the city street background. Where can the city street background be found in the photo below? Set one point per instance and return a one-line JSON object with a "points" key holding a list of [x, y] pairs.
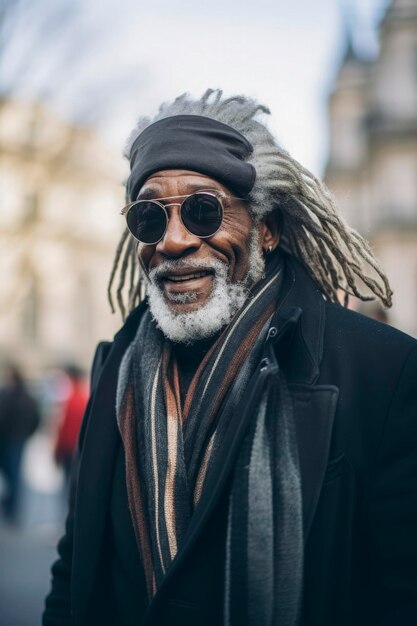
{"points": [[340, 78]]}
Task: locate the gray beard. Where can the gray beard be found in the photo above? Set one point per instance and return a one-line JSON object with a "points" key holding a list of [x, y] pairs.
{"points": [[224, 302]]}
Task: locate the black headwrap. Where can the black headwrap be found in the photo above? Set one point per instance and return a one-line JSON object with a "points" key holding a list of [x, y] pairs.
{"points": [[196, 143]]}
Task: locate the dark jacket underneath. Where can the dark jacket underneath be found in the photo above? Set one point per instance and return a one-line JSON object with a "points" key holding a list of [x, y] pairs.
{"points": [[353, 385]]}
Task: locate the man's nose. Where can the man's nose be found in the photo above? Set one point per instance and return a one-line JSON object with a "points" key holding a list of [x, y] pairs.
{"points": [[177, 239]]}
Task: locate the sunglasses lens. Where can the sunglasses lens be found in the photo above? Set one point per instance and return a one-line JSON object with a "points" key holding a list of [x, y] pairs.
{"points": [[146, 220], [202, 214]]}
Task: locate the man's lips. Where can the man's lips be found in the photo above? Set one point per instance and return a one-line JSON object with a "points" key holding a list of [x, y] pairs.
{"points": [[184, 277], [185, 280]]}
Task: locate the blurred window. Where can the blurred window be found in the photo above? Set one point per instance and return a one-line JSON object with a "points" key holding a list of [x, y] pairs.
{"points": [[415, 69], [31, 134], [30, 321], [84, 309], [31, 208]]}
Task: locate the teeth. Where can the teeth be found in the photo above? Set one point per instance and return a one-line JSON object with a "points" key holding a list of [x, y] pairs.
{"points": [[187, 276]]}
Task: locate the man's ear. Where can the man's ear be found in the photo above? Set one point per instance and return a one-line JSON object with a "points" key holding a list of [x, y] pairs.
{"points": [[270, 231]]}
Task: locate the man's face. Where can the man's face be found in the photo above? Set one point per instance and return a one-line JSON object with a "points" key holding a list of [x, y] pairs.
{"points": [[184, 292]]}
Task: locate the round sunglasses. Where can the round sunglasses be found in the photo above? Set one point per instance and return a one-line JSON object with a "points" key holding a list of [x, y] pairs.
{"points": [[201, 213]]}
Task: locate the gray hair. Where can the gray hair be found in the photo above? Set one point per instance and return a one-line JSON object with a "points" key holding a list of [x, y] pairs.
{"points": [[313, 231]]}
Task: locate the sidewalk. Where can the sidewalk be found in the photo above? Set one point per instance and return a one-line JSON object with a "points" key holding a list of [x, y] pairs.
{"points": [[27, 551]]}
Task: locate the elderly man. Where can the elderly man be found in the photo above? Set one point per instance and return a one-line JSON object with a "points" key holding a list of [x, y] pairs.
{"points": [[249, 452]]}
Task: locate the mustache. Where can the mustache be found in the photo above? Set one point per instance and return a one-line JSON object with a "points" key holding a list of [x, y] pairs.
{"points": [[218, 268]]}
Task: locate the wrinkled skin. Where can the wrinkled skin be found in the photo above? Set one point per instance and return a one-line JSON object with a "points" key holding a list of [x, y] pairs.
{"points": [[230, 245]]}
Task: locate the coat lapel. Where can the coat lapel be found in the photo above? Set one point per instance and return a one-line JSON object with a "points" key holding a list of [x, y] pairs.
{"points": [[314, 410], [299, 352]]}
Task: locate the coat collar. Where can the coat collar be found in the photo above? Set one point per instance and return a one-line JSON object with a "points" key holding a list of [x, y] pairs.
{"points": [[299, 320]]}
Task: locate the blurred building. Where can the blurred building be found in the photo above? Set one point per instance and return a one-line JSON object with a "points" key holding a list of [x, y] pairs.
{"points": [[60, 192], [372, 166]]}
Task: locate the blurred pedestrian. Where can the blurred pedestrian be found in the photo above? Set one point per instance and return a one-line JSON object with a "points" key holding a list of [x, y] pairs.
{"points": [[71, 418], [19, 418]]}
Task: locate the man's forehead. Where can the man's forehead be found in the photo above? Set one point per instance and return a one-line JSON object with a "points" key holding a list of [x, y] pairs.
{"points": [[187, 179]]}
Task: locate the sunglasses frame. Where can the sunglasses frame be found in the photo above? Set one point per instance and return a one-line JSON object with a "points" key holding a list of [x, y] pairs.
{"points": [[217, 195]]}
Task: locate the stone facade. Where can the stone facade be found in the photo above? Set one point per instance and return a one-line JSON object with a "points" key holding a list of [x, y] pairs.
{"points": [[372, 166], [59, 223]]}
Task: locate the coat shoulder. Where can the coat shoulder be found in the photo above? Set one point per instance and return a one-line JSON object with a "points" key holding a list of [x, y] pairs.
{"points": [[365, 356], [358, 332]]}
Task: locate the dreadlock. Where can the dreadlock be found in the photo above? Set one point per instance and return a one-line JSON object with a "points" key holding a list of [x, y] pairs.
{"points": [[336, 256]]}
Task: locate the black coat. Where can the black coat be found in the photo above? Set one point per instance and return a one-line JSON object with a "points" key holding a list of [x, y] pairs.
{"points": [[353, 384]]}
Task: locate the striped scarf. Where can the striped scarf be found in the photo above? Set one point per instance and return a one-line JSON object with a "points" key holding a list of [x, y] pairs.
{"points": [[171, 447]]}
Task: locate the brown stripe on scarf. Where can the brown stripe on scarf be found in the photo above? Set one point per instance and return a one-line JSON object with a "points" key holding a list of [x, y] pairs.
{"points": [[134, 490], [203, 470]]}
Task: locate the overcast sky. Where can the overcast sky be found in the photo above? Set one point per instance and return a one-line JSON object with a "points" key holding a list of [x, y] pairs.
{"points": [[130, 55]]}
